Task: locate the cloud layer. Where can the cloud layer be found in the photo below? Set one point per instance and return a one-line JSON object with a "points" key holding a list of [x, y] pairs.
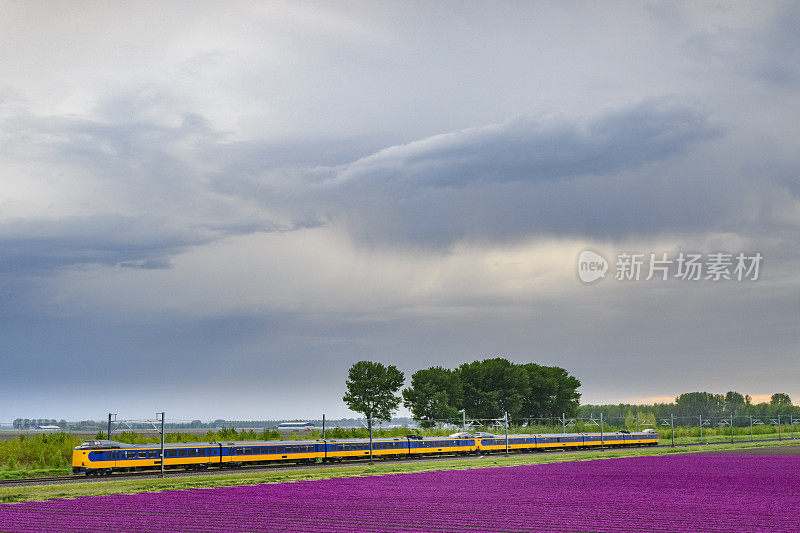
{"points": [[277, 190]]}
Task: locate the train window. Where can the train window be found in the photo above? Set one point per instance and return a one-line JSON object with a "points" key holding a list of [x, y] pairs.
{"points": [[172, 453], [272, 449], [238, 451], [181, 453], [192, 452], [130, 455]]}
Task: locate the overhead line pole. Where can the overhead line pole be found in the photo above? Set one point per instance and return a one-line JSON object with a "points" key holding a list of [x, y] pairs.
{"points": [[370, 438], [108, 434], [162, 442], [672, 428], [506, 417], [601, 430]]}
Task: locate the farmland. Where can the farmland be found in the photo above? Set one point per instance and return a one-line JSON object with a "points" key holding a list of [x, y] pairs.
{"points": [[676, 492]]}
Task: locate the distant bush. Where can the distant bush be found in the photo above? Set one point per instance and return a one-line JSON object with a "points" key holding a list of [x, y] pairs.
{"points": [[28, 452]]}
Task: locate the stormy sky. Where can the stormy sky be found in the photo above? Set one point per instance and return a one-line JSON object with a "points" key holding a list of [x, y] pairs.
{"points": [[213, 209]]}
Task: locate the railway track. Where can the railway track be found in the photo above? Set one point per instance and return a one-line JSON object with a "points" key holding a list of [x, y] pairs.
{"points": [[284, 466]]}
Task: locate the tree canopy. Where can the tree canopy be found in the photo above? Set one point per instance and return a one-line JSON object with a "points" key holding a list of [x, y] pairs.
{"points": [[435, 394], [780, 398], [488, 388], [372, 389]]}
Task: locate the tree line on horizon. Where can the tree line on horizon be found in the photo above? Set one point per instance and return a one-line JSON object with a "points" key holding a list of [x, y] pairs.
{"points": [[706, 404]]}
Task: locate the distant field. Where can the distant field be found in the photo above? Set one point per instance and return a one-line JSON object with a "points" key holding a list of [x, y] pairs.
{"points": [[673, 492], [6, 434]]}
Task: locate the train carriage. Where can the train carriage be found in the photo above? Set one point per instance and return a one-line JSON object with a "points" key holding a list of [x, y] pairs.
{"points": [[105, 456], [339, 450], [442, 445]]}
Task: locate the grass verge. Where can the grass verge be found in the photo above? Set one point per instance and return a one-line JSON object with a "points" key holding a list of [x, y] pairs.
{"points": [[41, 472], [131, 486]]}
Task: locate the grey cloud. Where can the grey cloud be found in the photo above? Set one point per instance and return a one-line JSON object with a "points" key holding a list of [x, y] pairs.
{"points": [[768, 53], [620, 174], [36, 245], [626, 172], [532, 151], [171, 177]]}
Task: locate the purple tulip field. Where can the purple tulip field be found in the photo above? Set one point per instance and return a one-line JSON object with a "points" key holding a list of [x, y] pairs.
{"points": [[688, 492]]}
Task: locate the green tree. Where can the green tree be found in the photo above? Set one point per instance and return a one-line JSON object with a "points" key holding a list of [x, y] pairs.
{"points": [[493, 386], [372, 390], [551, 392], [780, 399], [564, 395], [694, 403], [435, 393], [734, 403]]}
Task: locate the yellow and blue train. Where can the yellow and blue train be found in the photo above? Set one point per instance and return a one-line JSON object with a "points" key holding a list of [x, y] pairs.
{"points": [[103, 457]]}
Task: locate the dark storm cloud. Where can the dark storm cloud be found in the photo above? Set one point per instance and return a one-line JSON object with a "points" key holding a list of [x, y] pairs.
{"points": [[620, 174], [625, 172], [40, 245], [146, 189], [532, 151]]}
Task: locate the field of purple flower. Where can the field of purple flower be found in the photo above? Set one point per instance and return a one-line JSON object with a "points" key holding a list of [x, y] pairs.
{"points": [[689, 492]]}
